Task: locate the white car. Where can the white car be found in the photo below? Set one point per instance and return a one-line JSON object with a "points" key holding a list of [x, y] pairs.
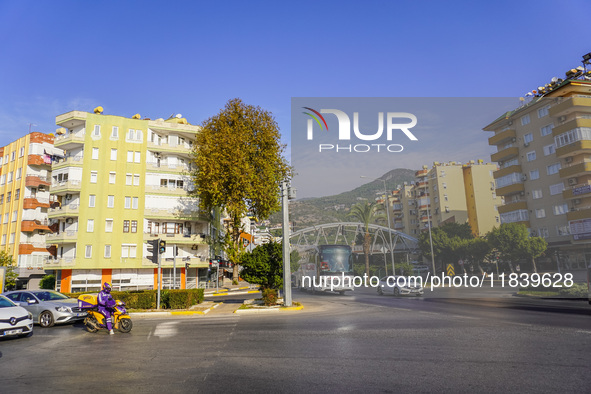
{"points": [[400, 285], [14, 320]]}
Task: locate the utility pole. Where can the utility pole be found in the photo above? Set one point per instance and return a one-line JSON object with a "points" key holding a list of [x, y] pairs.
{"points": [[287, 193], [174, 252], [159, 265]]}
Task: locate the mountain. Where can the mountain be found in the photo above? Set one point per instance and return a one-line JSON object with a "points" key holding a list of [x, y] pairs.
{"points": [[314, 211]]}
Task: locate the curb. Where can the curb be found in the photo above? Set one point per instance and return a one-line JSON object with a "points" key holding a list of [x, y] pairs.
{"points": [[174, 313], [270, 310], [225, 291], [233, 293]]}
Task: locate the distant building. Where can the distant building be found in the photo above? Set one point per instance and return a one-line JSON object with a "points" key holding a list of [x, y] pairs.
{"points": [[448, 192], [25, 182]]}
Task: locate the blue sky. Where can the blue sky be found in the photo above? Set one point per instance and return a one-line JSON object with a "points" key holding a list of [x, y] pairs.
{"points": [[157, 58]]}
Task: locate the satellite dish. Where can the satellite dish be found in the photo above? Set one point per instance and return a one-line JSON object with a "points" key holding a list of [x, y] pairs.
{"points": [[98, 110], [179, 116], [554, 79], [136, 116], [521, 99]]}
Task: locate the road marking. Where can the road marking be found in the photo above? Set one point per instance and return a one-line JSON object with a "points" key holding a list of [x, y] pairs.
{"points": [[164, 330], [584, 332]]}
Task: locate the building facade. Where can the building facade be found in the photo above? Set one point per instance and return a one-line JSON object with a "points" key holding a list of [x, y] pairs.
{"points": [[25, 181], [544, 155], [124, 181], [448, 192]]}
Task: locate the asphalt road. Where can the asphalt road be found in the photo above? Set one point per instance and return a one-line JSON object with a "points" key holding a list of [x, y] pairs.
{"points": [[359, 342]]}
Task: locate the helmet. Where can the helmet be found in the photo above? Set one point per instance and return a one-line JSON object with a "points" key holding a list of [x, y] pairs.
{"points": [[107, 287]]}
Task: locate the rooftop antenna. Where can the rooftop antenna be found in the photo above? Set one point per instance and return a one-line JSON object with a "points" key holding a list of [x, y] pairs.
{"points": [[31, 125]]}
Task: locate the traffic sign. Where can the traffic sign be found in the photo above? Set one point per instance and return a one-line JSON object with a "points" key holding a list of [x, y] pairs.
{"points": [[450, 270]]}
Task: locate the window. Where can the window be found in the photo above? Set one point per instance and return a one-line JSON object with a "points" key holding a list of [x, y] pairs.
{"points": [[540, 213], [131, 134], [1, 199], [549, 149], [113, 154], [13, 156], [445, 197], [543, 111], [136, 179], [572, 136], [525, 120], [110, 201], [127, 202], [17, 194], [520, 215], [10, 177], [543, 232], [163, 182], [97, 131], [138, 135], [560, 209], [108, 225], [3, 179], [562, 230], [95, 153], [556, 189], [112, 176], [128, 251], [546, 130], [14, 215], [93, 176], [553, 168], [8, 196], [134, 226], [137, 157], [128, 179], [534, 174], [115, 133], [134, 204], [444, 185], [90, 226], [126, 226], [536, 194], [21, 152], [3, 239], [531, 156], [11, 238], [6, 218], [107, 251], [91, 201], [130, 156], [529, 137], [19, 173], [88, 251]]}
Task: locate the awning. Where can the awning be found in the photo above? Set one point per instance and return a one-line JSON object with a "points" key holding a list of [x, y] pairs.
{"points": [[53, 151]]}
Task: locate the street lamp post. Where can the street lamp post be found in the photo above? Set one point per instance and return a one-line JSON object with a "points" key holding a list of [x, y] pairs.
{"points": [[388, 217], [429, 221]]}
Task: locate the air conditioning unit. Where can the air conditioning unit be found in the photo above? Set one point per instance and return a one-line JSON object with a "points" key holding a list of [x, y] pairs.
{"points": [[523, 177], [526, 144], [577, 201], [187, 224], [510, 122], [522, 194], [68, 196], [513, 139], [501, 163], [69, 220], [572, 181], [568, 159], [562, 118]]}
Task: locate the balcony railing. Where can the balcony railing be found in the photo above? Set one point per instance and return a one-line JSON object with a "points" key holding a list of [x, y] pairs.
{"points": [[68, 235], [63, 262], [71, 209], [73, 184]]}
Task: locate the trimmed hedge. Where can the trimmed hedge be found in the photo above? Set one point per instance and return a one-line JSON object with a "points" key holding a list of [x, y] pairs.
{"points": [[146, 299]]}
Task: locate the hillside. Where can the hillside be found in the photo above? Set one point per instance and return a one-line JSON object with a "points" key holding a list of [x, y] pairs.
{"points": [[314, 211]]}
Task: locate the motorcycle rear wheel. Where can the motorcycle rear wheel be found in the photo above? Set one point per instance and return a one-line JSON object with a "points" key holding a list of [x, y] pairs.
{"points": [[125, 325], [91, 324]]}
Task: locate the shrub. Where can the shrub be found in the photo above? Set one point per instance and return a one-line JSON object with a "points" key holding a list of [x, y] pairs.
{"points": [[146, 299], [47, 282], [270, 296], [577, 290]]}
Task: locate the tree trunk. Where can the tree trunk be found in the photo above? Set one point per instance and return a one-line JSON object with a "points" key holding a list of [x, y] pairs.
{"points": [[366, 244], [533, 262]]}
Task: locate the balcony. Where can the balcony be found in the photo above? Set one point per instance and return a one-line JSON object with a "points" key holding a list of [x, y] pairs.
{"points": [[163, 213], [579, 191], [68, 236], [573, 104], [65, 186], [51, 264], [183, 149], [36, 181], [502, 137], [32, 225], [511, 189], [180, 191], [68, 161], [583, 146], [163, 167], [506, 171], [398, 226], [194, 262], [39, 160], [421, 173], [579, 213], [192, 239], [513, 206], [575, 170], [64, 211], [505, 154], [570, 125], [29, 248], [34, 203]]}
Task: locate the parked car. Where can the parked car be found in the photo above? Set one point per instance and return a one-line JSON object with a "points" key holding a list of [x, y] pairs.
{"points": [[47, 306], [399, 285], [14, 320]]}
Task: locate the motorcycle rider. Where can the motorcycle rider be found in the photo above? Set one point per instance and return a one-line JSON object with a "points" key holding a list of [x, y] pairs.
{"points": [[106, 304]]}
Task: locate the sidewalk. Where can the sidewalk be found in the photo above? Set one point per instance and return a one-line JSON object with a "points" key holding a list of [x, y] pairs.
{"points": [[230, 289]]}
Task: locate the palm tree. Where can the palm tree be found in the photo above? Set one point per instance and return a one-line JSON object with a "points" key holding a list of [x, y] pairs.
{"points": [[366, 213]]}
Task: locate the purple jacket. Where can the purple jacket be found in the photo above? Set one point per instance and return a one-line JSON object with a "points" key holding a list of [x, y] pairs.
{"points": [[106, 300]]}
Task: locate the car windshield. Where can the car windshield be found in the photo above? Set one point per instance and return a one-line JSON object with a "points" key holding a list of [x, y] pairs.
{"points": [[49, 295], [5, 302]]}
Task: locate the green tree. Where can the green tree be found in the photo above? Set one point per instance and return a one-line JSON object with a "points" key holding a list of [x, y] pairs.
{"points": [[264, 266], [450, 242], [513, 243], [294, 260], [476, 250], [239, 167], [366, 213], [536, 246], [47, 282], [10, 279]]}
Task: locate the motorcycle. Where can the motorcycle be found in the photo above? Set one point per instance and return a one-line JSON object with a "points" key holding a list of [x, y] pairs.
{"points": [[95, 320]]}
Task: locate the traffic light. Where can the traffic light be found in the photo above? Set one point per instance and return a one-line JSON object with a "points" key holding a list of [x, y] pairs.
{"points": [[152, 248], [161, 246], [186, 266]]}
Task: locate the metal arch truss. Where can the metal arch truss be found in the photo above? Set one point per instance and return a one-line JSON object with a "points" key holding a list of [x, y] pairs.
{"points": [[346, 233]]}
